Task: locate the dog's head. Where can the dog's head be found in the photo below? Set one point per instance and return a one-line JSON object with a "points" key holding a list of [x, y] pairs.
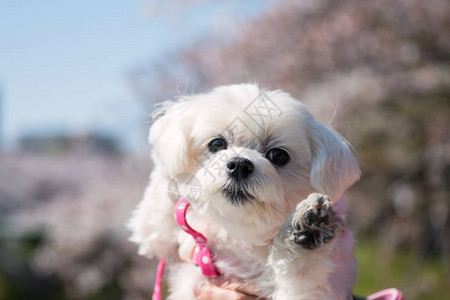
{"points": [[255, 154]]}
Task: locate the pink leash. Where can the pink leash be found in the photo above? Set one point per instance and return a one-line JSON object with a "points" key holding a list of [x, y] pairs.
{"points": [[159, 275], [202, 256]]}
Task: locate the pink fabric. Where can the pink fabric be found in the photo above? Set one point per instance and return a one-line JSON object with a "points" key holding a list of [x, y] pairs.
{"points": [[159, 275], [387, 294], [202, 256]]}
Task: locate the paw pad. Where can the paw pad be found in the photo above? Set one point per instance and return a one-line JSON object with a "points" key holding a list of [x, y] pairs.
{"points": [[314, 222]]}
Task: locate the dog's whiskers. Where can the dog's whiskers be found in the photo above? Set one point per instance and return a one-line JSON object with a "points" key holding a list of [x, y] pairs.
{"points": [[238, 194]]}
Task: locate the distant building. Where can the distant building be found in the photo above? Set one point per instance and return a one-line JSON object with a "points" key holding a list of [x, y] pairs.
{"points": [[1, 120], [92, 142]]}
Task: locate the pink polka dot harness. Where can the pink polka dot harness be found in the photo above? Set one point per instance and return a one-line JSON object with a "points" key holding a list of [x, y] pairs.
{"points": [[202, 256]]}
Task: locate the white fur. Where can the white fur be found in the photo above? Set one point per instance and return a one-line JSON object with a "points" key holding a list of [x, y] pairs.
{"points": [[242, 237]]}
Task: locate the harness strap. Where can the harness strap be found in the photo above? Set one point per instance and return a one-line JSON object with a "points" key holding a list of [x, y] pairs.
{"points": [[202, 256]]}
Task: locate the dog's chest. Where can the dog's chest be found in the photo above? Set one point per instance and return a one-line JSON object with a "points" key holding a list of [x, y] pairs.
{"points": [[232, 257]]}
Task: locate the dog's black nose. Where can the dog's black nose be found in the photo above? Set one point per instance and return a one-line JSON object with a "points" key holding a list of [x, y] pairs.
{"points": [[240, 168]]}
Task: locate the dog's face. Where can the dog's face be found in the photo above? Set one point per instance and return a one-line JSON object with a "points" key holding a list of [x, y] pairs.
{"points": [[255, 154]]}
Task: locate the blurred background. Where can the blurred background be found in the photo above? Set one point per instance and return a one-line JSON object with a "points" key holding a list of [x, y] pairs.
{"points": [[78, 80]]}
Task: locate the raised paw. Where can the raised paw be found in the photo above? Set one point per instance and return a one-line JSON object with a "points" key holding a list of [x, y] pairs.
{"points": [[314, 222]]}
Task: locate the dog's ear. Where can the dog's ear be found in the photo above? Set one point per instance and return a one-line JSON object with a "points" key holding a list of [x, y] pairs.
{"points": [[333, 166], [170, 136]]}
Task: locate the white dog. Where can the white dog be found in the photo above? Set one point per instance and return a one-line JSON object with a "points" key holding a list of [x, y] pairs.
{"points": [[246, 159]]}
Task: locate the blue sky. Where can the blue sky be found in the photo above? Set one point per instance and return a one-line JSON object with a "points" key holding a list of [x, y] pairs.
{"points": [[63, 64]]}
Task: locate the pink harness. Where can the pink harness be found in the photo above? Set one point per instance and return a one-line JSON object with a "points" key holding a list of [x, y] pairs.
{"points": [[202, 256]]}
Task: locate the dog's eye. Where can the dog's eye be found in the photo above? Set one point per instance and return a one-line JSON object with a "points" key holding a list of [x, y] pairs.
{"points": [[277, 156], [217, 145]]}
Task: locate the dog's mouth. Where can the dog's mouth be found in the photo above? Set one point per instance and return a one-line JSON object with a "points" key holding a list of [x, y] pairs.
{"points": [[237, 195]]}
